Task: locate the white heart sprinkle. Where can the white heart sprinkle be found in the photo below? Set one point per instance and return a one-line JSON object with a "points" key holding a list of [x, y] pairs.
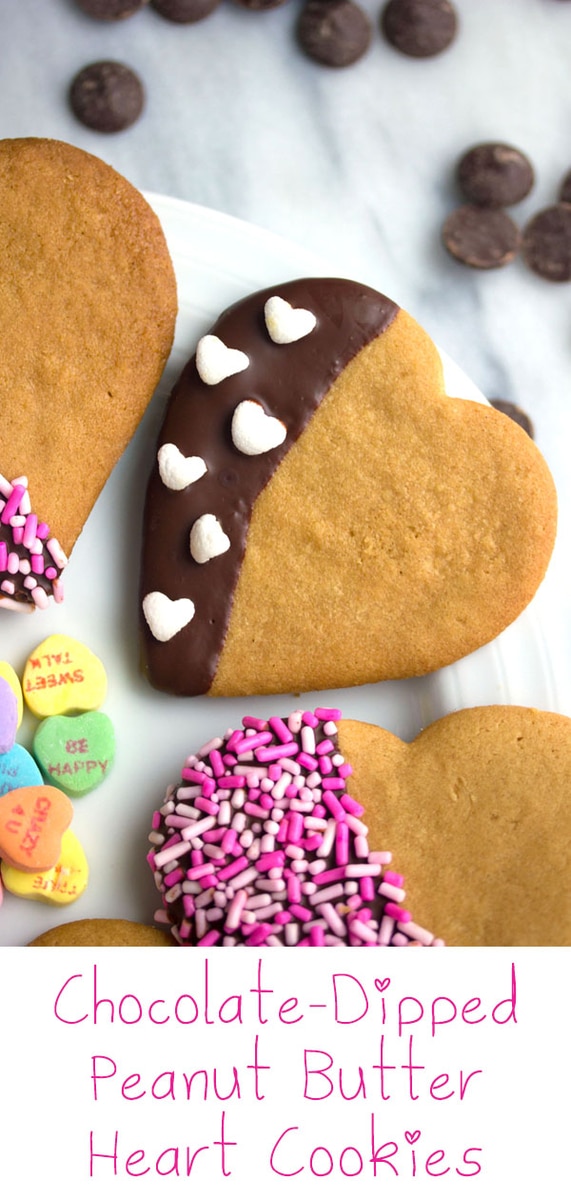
{"points": [[207, 539], [215, 361], [176, 471], [253, 431], [164, 616], [286, 324]]}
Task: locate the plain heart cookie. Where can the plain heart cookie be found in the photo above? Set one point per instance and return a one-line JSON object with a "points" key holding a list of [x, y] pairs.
{"points": [[282, 832], [88, 307], [378, 529]]}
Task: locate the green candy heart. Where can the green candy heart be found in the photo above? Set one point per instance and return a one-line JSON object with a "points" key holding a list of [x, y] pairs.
{"points": [[75, 753]]}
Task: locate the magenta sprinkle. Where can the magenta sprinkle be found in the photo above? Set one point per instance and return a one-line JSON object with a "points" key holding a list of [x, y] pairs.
{"points": [[281, 855]]}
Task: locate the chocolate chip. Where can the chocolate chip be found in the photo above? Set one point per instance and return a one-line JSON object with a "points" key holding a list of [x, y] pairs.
{"points": [[565, 190], [494, 174], [184, 12], [516, 414], [334, 32], [259, 5], [110, 10], [546, 245], [481, 237], [419, 28], [107, 96]]}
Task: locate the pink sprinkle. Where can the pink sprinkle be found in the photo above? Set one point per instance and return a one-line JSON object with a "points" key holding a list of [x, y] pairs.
{"points": [[274, 859], [258, 935], [56, 552], [335, 875], [234, 781], [216, 762], [30, 530], [3, 556], [254, 723], [307, 761], [399, 914], [12, 504], [194, 775], [342, 844], [17, 534], [51, 573], [272, 753], [293, 889], [280, 729], [366, 888], [416, 932], [392, 892], [38, 563], [295, 827], [310, 719], [42, 530], [41, 600], [203, 804], [344, 770], [13, 564], [328, 714], [299, 911], [392, 877], [335, 808], [209, 938], [324, 747], [316, 936], [156, 820], [238, 865], [351, 806], [253, 742], [235, 911]]}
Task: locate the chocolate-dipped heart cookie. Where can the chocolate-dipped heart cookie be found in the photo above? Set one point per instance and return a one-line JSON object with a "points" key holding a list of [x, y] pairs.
{"points": [[88, 307], [366, 526], [282, 832]]}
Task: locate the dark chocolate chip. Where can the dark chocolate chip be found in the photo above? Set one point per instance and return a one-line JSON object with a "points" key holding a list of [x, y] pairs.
{"points": [[481, 237], [184, 12], [110, 10], [546, 244], [334, 32], [516, 414], [107, 96], [494, 174], [565, 190], [259, 5], [419, 28]]}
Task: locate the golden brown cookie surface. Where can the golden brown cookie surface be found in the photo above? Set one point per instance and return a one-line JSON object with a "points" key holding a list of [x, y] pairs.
{"points": [[477, 812], [386, 532], [103, 932], [88, 307]]}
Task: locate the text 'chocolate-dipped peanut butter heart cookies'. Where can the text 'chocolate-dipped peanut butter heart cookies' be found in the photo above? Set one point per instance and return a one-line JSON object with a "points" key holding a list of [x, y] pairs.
{"points": [[303, 831], [321, 514], [87, 315]]}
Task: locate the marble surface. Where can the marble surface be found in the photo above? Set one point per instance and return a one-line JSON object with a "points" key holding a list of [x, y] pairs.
{"points": [[354, 164]]}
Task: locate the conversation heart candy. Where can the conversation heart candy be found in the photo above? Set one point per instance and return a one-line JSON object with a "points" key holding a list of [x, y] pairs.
{"points": [[18, 769], [8, 717], [32, 823], [63, 676], [62, 884], [76, 753], [8, 673]]}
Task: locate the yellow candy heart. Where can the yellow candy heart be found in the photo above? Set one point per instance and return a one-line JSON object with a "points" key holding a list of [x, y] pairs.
{"points": [[62, 884], [63, 676]]}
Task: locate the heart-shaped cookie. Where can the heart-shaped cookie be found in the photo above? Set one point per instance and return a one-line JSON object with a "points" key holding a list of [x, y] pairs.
{"points": [[309, 811], [394, 530], [476, 810], [88, 310]]}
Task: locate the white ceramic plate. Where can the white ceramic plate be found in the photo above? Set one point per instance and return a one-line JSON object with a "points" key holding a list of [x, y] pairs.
{"points": [[218, 259]]}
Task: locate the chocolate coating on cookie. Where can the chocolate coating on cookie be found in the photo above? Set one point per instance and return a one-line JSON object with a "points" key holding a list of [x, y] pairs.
{"points": [[286, 383]]}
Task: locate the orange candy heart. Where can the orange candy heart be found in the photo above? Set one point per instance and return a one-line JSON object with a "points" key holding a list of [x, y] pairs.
{"points": [[32, 823]]}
